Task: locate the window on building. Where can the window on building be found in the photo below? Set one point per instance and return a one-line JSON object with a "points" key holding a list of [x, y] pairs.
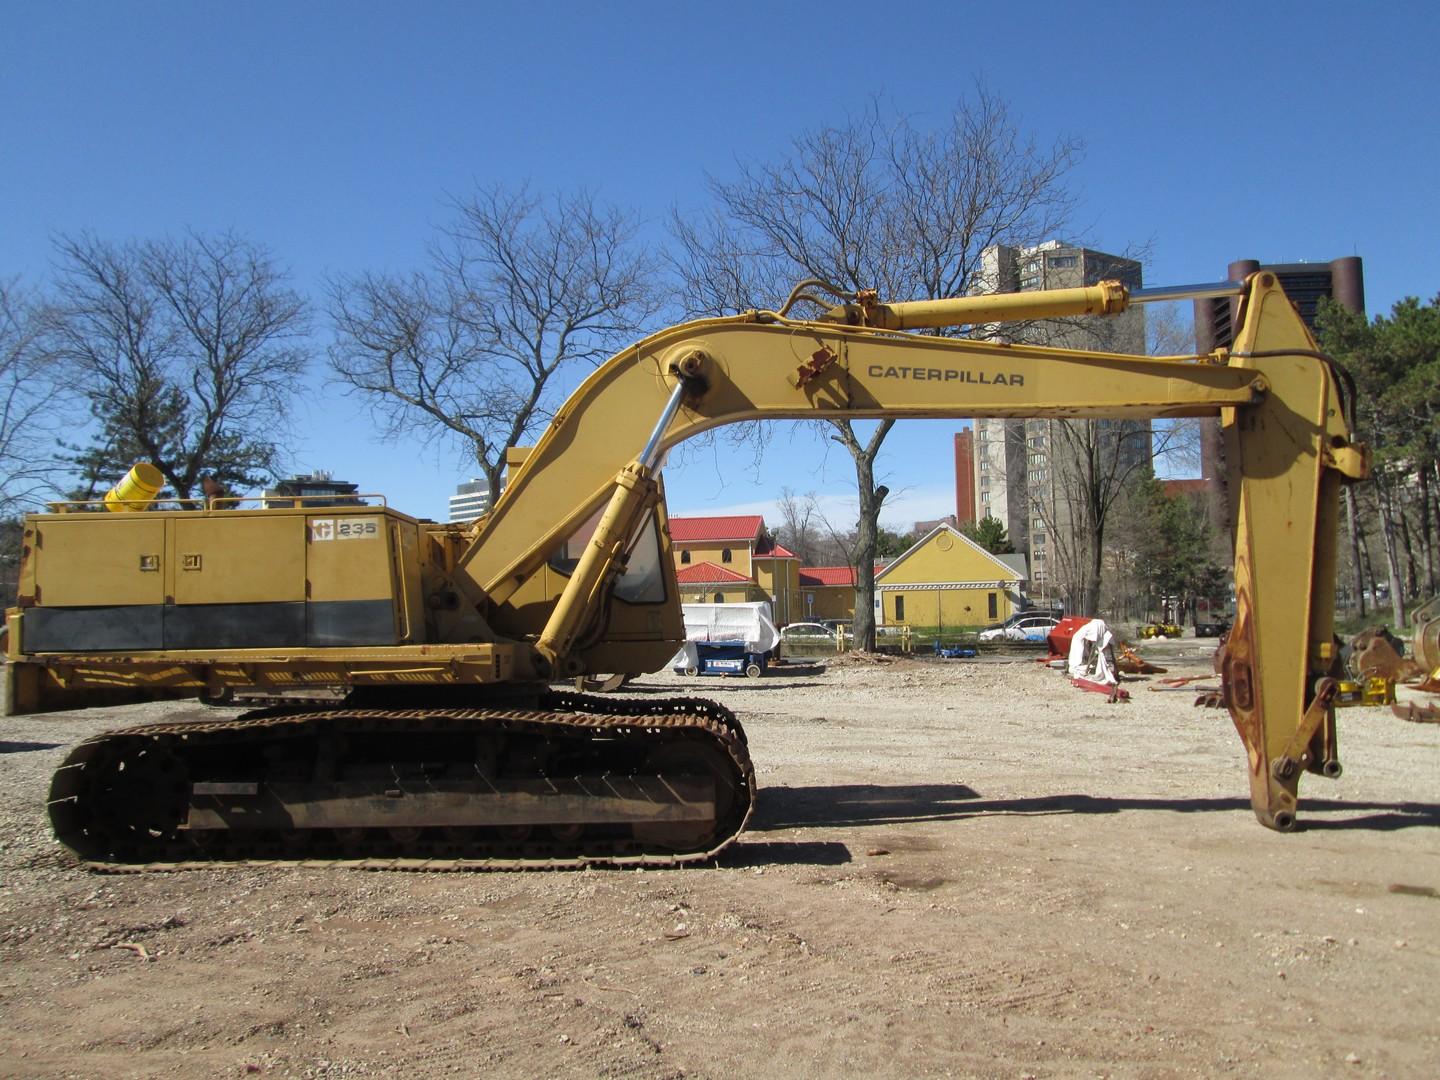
{"points": [[719, 598], [994, 606], [1038, 459], [899, 609], [684, 558], [724, 557], [1062, 261], [1038, 539]]}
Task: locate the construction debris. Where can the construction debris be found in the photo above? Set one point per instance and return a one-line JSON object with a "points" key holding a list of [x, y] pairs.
{"points": [[1211, 698], [1417, 714], [1110, 690], [1131, 663], [1091, 664], [855, 656], [1162, 630], [1181, 687], [1378, 652], [956, 652], [1425, 635], [1374, 690], [1092, 653]]}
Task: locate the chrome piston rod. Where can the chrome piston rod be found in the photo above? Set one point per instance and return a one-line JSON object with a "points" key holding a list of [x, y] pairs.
{"points": [[1162, 293]]}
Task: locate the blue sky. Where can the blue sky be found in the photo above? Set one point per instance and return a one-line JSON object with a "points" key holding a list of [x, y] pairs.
{"points": [[333, 132]]}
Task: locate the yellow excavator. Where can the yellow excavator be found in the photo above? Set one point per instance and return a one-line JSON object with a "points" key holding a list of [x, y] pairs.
{"points": [[451, 749]]}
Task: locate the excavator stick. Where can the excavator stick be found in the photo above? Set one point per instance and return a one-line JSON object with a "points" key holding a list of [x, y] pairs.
{"points": [[1292, 450]]}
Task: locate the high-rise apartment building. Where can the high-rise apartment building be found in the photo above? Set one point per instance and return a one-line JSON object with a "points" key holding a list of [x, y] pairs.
{"points": [[1018, 477], [469, 501], [1216, 321]]}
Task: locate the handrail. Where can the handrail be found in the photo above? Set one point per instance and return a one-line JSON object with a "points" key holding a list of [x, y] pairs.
{"points": [[228, 502]]}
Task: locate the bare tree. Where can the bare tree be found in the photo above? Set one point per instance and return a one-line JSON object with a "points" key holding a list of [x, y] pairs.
{"points": [[800, 524], [875, 203], [518, 289], [30, 401], [189, 352], [1087, 467], [1091, 463]]}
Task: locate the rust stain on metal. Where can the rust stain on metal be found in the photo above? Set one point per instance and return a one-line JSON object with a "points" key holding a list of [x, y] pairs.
{"points": [[1236, 661], [820, 359]]}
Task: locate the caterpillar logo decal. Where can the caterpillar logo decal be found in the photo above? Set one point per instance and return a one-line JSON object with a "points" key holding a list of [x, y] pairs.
{"points": [[352, 528], [964, 375]]}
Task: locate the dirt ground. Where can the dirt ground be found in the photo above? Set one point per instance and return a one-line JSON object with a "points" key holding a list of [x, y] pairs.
{"points": [[955, 869]]}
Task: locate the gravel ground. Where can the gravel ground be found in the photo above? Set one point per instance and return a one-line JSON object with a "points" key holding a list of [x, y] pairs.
{"points": [[955, 869]]}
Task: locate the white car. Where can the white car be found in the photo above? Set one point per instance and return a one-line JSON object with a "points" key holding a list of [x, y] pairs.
{"points": [[806, 632], [1033, 629]]}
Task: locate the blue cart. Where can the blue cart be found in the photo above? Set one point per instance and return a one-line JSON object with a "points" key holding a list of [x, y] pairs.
{"points": [[720, 658]]}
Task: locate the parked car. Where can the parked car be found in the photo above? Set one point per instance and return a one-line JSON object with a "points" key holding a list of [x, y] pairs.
{"points": [[810, 639], [806, 633], [1034, 628], [996, 631]]}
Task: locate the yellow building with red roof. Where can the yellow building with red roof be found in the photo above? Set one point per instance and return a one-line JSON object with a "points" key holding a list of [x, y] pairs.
{"points": [[944, 579], [734, 559]]}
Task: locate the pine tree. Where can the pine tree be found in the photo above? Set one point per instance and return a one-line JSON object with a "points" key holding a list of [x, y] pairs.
{"points": [[990, 534]]}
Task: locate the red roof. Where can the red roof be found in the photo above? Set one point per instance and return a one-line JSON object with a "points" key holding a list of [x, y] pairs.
{"points": [[746, 527], [769, 549], [707, 573], [827, 575]]}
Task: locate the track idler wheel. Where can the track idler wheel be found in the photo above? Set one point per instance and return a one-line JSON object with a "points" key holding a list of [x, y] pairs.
{"points": [[699, 758], [131, 796]]}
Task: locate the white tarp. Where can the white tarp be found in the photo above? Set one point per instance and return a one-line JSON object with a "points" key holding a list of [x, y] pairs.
{"points": [[1092, 654], [747, 623]]}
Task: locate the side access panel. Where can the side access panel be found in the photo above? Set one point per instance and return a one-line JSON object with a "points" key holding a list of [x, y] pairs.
{"points": [[96, 589], [239, 581], [354, 586]]}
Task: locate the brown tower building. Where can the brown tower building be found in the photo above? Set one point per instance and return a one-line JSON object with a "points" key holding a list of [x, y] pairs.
{"points": [[964, 477]]}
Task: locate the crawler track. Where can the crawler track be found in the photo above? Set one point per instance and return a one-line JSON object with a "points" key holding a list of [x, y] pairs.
{"points": [[577, 781]]}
